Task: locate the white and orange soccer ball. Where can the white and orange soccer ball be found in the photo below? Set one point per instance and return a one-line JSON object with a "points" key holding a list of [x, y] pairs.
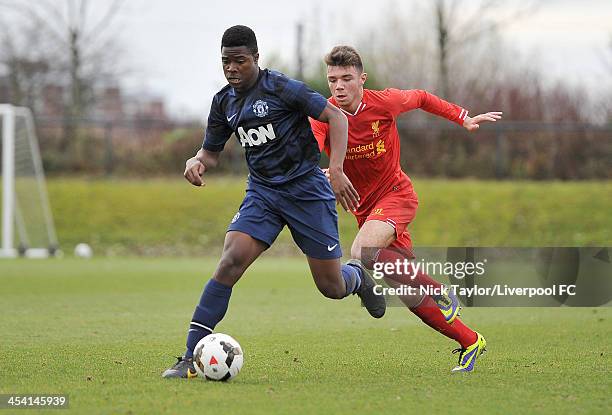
{"points": [[218, 357]]}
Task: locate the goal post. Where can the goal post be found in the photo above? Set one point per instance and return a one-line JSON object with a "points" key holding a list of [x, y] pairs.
{"points": [[27, 223]]}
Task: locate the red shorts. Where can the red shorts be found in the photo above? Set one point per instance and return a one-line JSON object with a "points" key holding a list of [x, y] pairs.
{"points": [[397, 208]]}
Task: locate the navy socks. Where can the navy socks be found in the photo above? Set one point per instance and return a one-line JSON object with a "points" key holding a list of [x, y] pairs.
{"points": [[215, 300], [352, 278], [211, 309]]}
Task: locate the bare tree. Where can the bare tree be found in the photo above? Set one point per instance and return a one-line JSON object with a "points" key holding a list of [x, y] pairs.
{"points": [[458, 27], [23, 64], [405, 59], [80, 45]]}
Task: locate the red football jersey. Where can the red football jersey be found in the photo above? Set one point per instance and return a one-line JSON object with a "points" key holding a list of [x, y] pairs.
{"points": [[372, 160]]}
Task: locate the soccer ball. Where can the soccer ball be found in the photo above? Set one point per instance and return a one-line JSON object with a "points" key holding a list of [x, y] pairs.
{"points": [[218, 357], [83, 250]]}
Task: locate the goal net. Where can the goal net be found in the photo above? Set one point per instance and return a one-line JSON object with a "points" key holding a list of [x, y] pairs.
{"points": [[27, 223]]}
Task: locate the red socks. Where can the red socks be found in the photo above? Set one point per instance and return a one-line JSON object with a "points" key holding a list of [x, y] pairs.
{"points": [[428, 311]]}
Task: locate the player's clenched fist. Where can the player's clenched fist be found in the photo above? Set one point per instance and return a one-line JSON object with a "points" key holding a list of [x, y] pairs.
{"points": [[194, 169]]}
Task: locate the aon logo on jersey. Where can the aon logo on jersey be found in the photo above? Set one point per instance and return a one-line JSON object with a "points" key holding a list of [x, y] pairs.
{"points": [[256, 136]]}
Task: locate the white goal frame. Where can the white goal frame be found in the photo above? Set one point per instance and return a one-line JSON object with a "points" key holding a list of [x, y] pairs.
{"points": [[10, 214]]}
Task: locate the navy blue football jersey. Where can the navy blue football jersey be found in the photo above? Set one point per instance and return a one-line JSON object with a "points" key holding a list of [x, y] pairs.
{"points": [[270, 121]]}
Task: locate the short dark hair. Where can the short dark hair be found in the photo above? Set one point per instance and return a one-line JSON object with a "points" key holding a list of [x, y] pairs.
{"points": [[344, 56], [240, 36]]}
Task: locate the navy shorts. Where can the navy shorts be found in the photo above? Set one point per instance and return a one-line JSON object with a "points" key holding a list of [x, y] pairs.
{"points": [[306, 205]]}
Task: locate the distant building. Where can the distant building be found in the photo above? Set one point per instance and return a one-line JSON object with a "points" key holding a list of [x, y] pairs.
{"points": [[144, 106], [113, 105], [110, 104], [52, 101]]}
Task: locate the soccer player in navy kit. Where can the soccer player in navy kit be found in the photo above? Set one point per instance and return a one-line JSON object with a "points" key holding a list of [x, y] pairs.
{"points": [[268, 113]]}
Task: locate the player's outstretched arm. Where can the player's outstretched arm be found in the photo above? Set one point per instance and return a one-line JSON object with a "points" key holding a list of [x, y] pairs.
{"points": [[473, 123], [407, 100], [197, 165], [345, 193]]}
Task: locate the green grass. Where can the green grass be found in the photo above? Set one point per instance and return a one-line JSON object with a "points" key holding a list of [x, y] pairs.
{"points": [[101, 331], [170, 217]]}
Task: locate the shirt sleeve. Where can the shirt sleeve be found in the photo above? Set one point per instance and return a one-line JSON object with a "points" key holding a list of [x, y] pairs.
{"points": [[407, 100], [320, 131], [301, 97], [217, 129]]}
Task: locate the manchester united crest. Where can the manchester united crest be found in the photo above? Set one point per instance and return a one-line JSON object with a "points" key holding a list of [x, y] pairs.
{"points": [[260, 108]]}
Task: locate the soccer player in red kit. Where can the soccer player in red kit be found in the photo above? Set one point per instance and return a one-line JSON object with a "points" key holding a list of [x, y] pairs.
{"points": [[388, 202]]}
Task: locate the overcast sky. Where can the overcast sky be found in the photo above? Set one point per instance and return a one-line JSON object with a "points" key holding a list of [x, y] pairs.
{"points": [[173, 47]]}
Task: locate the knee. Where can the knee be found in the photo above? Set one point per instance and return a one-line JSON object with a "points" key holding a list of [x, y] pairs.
{"points": [[230, 268]]}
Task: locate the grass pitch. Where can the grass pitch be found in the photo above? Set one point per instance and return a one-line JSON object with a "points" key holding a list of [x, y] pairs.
{"points": [[102, 331], [170, 217]]}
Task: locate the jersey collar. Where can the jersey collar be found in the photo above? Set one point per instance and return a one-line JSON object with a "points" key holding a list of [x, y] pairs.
{"points": [[359, 109]]}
